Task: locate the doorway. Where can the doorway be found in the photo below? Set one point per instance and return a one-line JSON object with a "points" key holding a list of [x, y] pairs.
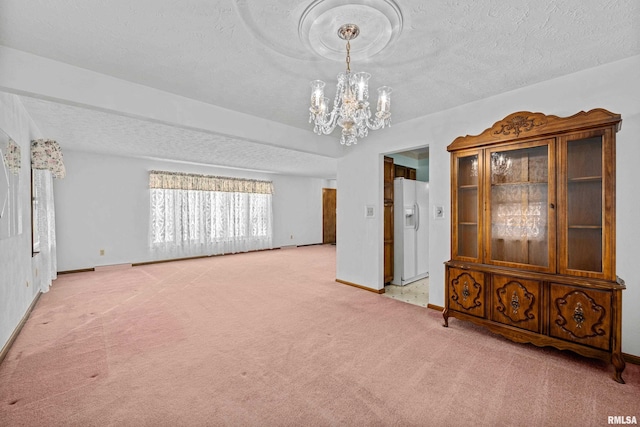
{"points": [[329, 216], [409, 193]]}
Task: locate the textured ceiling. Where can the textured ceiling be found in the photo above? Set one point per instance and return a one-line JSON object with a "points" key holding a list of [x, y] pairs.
{"points": [[106, 133], [249, 56]]}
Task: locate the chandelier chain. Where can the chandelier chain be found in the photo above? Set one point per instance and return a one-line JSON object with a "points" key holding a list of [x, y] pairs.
{"points": [[348, 57]]}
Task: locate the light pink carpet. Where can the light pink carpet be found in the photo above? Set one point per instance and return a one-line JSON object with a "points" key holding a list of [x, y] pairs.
{"points": [[270, 339]]}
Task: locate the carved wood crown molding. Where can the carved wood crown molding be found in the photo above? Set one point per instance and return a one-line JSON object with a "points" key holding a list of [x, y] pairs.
{"points": [[519, 123], [526, 124]]}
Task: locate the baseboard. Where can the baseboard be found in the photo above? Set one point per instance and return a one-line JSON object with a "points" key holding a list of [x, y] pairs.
{"points": [[294, 246], [355, 285], [160, 261], [112, 267], [16, 331], [435, 307], [135, 264], [635, 360], [81, 270], [98, 268]]}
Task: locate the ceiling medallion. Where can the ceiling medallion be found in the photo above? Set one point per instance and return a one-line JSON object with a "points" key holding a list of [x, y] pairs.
{"points": [[351, 104], [381, 21]]}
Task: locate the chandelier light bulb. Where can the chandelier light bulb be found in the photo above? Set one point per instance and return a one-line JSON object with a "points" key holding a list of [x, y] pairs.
{"points": [[351, 104], [317, 94], [384, 101], [361, 83], [324, 106]]}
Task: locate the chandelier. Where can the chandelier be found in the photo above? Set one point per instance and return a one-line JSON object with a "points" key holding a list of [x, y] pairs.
{"points": [[351, 104]]}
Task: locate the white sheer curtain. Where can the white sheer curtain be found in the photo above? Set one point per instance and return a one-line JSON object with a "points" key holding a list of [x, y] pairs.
{"points": [[46, 225], [210, 215]]}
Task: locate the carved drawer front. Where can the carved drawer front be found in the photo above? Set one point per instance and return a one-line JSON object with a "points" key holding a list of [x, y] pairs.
{"points": [[466, 291], [581, 315], [516, 302]]}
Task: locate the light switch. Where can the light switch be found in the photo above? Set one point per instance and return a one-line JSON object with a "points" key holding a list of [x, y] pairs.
{"points": [[369, 212]]}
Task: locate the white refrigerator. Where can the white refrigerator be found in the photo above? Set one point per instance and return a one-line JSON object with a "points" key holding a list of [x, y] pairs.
{"points": [[411, 230]]}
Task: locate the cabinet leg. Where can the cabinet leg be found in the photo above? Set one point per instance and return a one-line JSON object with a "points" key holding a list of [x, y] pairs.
{"points": [[445, 315], [619, 364]]}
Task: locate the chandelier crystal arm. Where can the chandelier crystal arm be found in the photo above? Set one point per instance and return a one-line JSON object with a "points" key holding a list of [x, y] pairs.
{"points": [[351, 103], [375, 124]]}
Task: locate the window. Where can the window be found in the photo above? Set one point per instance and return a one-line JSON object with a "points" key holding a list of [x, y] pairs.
{"points": [[200, 214]]}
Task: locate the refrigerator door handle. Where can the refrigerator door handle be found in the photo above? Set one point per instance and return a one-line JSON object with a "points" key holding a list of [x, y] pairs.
{"points": [[417, 213]]}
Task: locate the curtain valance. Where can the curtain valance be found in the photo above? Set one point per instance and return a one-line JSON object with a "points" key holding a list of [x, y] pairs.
{"points": [[46, 154], [12, 157], [187, 181]]}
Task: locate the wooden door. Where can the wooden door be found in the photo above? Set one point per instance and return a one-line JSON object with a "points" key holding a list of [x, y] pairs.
{"points": [[388, 219], [520, 192], [586, 200], [329, 215], [466, 203]]}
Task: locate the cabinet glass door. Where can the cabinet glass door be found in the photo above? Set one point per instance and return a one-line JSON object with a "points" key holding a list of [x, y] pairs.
{"points": [[466, 201], [583, 190], [521, 191]]}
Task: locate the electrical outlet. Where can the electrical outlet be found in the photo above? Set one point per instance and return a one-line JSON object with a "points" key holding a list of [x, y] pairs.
{"points": [[27, 283], [438, 212], [101, 252], [292, 237]]}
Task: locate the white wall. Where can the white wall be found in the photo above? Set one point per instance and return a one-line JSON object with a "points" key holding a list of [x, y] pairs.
{"points": [[615, 87], [297, 210], [422, 174], [18, 270], [103, 203], [401, 159]]}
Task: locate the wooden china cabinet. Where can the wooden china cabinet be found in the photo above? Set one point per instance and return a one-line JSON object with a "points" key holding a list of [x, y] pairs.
{"points": [[533, 233]]}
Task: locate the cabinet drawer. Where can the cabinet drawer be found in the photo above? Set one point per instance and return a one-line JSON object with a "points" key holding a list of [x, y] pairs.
{"points": [[580, 315], [516, 302], [466, 291]]}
